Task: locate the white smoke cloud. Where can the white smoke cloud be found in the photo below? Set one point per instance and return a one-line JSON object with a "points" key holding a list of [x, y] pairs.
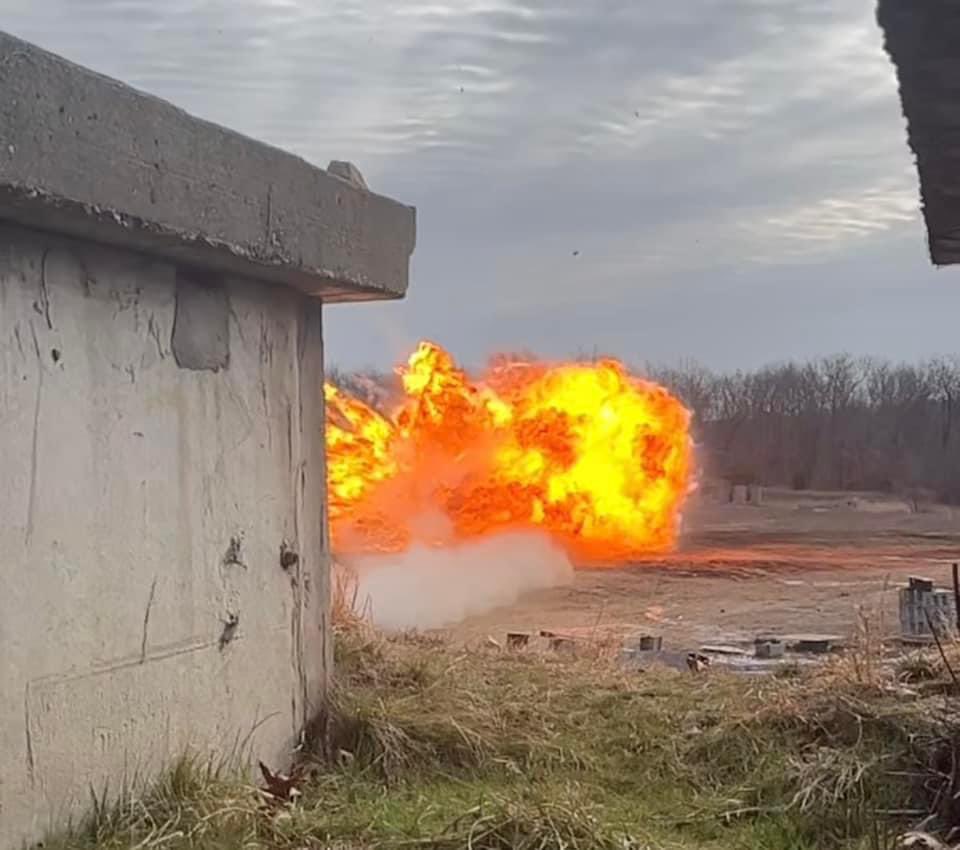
{"points": [[429, 588]]}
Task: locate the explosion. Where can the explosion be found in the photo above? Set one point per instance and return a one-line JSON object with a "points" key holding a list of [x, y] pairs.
{"points": [[598, 459]]}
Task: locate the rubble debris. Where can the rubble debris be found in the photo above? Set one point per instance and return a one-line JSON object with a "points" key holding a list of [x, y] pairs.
{"points": [[769, 647], [921, 841], [746, 494], [922, 604], [697, 662], [518, 640], [722, 649], [560, 643], [280, 789], [813, 644]]}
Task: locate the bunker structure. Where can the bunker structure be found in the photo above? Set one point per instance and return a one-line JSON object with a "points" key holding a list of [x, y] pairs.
{"points": [[923, 42], [163, 546]]}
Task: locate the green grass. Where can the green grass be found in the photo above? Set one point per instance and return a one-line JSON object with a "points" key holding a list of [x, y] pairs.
{"points": [[433, 747]]}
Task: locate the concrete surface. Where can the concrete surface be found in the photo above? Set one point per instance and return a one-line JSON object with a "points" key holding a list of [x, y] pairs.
{"points": [[164, 559], [86, 156], [144, 607]]}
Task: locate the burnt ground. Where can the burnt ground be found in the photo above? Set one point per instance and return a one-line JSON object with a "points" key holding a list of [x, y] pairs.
{"points": [[799, 563]]}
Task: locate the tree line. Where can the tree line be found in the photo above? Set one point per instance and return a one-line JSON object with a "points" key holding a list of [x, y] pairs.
{"points": [[835, 423]]}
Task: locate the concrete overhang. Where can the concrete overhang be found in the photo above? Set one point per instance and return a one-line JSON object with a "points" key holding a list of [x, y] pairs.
{"points": [[89, 157]]}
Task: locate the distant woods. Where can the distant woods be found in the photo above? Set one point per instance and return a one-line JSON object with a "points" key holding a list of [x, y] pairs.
{"points": [[837, 423]]}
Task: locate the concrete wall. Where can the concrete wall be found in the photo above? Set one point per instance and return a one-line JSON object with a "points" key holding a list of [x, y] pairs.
{"points": [[146, 494], [161, 431]]}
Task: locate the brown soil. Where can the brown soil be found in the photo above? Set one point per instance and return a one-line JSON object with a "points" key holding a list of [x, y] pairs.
{"points": [[798, 563]]}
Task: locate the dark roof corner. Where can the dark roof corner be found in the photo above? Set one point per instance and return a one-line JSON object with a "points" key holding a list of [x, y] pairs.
{"points": [[922, 38]]}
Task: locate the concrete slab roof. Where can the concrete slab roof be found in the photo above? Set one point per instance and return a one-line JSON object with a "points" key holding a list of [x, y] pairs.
{"points": [[84, 155]]}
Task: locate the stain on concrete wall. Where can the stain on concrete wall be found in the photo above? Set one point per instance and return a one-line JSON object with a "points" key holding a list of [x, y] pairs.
{"points": [[201, 330], [145, 500]]}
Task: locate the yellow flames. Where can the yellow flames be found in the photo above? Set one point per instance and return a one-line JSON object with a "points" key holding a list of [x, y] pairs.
{"points": [[595, 457]]}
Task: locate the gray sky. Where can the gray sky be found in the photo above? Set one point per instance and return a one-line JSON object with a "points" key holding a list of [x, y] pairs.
{"points": [[733, 173]]}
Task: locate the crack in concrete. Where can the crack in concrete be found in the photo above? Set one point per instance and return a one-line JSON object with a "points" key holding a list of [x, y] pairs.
{"points": [[44, 294], [34, 449], [146, 621], [266, 236], [31, 763], [154, 332]]}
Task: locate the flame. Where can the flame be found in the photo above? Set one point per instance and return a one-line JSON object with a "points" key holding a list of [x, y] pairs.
{"points": [[594, 456]]}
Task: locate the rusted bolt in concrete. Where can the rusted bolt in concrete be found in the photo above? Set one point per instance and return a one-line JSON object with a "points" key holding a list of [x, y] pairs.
{"points": [[233, 556], [288, 557], [230, 626]]}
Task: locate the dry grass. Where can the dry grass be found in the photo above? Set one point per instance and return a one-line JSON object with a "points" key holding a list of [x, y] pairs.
{"points": [[348, 611], [433, 746]]}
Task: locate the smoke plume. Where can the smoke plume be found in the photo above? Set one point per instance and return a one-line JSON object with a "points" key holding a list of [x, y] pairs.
{"points": [[425, 588]]}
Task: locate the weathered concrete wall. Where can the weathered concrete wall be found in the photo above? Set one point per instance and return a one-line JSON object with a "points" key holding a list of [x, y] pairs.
{"points": [[144, 502], [161, 431]]}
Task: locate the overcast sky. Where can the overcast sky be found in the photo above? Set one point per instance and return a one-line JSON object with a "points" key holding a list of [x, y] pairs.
{"points": [[723, 180]]}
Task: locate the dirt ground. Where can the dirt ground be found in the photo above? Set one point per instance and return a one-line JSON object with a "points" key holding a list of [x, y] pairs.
{"points": [[799, 563]]}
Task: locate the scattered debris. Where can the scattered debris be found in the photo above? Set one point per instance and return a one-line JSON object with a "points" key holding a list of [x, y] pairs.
{"points": [[697, 662], [650, 643], [746, 494], [921, 841], [655, 613], [280, 789], [769, 647], [923, 604], [562, 644], [720, 649], [518, 640], [493, 643], [813, 644]]}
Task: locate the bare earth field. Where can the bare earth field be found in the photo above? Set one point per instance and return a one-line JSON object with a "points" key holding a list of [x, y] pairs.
{"points": [[801, 562]]}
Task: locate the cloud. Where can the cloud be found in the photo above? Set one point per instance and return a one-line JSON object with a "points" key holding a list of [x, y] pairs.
{"points": [[680, 149]]}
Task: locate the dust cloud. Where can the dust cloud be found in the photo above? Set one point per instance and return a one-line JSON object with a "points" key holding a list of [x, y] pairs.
{"points": [[427, 588]]}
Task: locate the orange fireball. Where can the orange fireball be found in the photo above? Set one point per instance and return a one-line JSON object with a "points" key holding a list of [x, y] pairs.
{"points": [[584, 451]]}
